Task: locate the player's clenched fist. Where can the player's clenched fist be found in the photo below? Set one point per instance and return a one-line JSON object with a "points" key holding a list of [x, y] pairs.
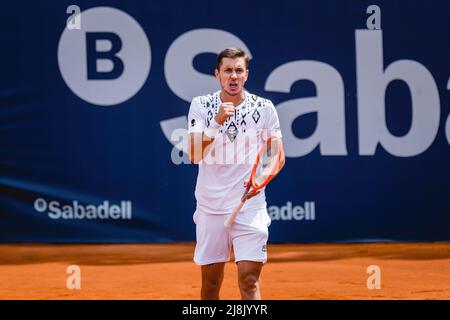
{"points": [[226, 110]]}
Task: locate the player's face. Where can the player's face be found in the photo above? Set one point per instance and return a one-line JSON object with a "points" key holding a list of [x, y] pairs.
{"points": [[232, 75]]}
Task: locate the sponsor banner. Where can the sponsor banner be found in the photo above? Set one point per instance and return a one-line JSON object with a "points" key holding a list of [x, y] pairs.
{"points": [[290, 212], [94, 99], [75, 210]]}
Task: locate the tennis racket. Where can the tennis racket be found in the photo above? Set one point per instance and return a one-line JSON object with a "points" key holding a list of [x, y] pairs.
{"points": [[265, 168]]}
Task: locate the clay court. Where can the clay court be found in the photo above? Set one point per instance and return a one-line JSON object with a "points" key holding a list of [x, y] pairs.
{"points": [[294, 272]]}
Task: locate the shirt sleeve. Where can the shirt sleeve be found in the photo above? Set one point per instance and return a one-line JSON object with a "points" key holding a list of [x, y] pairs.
{"points": [[196, 121], [272, 126]]}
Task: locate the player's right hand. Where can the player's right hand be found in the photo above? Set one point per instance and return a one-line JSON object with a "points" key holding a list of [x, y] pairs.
{"points": [[226, 110], [252, 193]]}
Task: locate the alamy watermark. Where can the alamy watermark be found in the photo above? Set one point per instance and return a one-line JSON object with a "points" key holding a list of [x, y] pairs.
{"points": [[240, 148], [374, 280], [73, 281]]}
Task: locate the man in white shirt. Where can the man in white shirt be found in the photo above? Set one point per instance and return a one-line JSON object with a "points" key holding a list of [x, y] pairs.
{"points": [[226, 129]]}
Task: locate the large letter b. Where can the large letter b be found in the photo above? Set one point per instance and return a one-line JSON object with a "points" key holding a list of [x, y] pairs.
{"points": [[94, 56]]}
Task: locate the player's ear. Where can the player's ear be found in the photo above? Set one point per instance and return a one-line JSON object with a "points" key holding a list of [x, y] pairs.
{"points": [[216, 73], [246, 74]]}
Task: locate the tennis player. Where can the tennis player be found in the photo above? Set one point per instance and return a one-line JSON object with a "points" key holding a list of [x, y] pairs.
{"points": [[225, 130]]}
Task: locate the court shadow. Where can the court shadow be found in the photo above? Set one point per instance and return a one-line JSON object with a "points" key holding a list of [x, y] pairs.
{"points": [[130, 254]]}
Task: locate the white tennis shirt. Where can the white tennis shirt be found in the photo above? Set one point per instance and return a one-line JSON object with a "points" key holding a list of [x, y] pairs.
{"points": [[221, 174]]}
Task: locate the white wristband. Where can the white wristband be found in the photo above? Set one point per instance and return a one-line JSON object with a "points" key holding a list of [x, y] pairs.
{"points": [[213, 128]]}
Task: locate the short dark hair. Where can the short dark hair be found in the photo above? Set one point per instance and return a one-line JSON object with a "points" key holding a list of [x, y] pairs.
{"points": [[232, 53]]}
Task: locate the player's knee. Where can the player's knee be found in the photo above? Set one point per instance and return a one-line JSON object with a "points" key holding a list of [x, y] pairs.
{"points": [[248, 282], [211, 284]]}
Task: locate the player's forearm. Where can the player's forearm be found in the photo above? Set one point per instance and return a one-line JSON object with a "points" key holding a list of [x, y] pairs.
{"points": [[206, 145], [199, 147], [202, 141]]}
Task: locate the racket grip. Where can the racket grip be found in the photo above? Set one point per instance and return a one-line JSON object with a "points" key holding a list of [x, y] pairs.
{"points": [[233, 215]]}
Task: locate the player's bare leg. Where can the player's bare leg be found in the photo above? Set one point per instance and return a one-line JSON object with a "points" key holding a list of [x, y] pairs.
{"points": [[248, 277], [212, 277]]}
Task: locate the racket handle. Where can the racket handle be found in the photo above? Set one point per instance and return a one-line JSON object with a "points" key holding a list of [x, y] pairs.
{"points": [[233, 215]]}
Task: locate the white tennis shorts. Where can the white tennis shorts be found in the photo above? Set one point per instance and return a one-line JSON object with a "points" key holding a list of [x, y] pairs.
{"points": [[247, 235]]}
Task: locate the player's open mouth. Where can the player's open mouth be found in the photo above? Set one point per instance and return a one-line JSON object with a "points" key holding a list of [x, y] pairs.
{"points": [[233, 85]]}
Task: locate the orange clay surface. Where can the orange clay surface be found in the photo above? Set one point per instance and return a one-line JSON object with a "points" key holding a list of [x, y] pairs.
{"points": [[166, 271]]}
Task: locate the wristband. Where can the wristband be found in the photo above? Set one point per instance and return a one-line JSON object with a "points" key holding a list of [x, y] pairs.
{"points": [[213, 128]]}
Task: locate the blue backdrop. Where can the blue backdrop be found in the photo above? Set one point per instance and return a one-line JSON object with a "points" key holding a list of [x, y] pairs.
{"points": [[93, 108]]}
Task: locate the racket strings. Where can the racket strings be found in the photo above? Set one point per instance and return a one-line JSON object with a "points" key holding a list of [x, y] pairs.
{"points": [[267, 164]]}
